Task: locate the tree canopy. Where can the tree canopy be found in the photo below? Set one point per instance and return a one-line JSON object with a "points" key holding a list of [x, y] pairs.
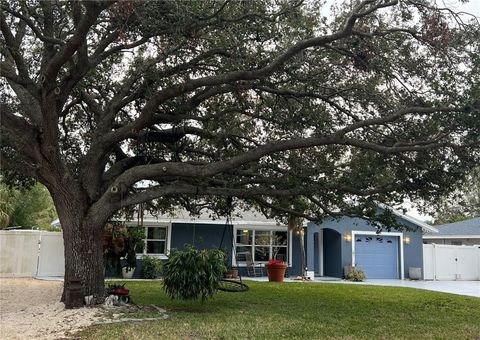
{"points": [[115, 103], [26, 207], [461, 204]]}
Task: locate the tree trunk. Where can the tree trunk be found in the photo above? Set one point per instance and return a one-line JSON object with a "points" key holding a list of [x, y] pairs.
{"points": [[84, 257], [82, 239]]}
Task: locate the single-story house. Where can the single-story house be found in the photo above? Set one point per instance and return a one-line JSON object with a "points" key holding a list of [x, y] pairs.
{"points": [[463, 233], [330, 246]]}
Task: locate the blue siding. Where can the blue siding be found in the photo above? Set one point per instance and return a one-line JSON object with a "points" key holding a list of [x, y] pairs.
{"points": [[202, 236]]}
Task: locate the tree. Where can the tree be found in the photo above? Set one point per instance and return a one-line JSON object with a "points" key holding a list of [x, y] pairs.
{"points": [[461, 204], [26, 206], [177, 103]]}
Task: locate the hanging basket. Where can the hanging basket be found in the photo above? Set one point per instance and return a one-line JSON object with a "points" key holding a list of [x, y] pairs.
{"points": [[276, 272]]}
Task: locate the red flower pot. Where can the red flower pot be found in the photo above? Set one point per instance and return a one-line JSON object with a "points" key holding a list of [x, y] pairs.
{"points": [[276, 272]]}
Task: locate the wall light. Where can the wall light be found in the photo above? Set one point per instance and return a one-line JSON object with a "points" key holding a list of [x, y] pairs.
{"points": [[406, 240], [347, 237]]}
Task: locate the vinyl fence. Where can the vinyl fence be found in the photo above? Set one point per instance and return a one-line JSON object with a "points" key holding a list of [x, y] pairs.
{"points": [[448, 262], [31, 253]]}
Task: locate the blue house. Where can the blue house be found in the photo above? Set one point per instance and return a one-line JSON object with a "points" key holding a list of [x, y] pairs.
{"points": [[330, 246]]}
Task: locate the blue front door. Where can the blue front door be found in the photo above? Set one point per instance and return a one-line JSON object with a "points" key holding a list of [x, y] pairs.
{"points": [[377, 255]]}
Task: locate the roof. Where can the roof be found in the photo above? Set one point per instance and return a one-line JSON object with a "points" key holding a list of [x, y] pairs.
{"points": [[239, 217], [470, 228], [246, 217], [426, 227]]}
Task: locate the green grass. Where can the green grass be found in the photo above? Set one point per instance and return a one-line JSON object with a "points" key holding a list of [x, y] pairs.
{"points": [[303, 310]]}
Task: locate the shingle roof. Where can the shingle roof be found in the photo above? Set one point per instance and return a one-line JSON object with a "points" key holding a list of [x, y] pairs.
{"points": [[467, 227]]}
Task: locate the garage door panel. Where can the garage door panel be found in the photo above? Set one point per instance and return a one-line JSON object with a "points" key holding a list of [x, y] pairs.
{"points": [[377, 255]]}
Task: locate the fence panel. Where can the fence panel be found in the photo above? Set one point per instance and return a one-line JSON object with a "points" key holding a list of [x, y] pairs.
{"points": [[467, 263], [51, 261], [19, 253], [428, 262], [449, 262]]}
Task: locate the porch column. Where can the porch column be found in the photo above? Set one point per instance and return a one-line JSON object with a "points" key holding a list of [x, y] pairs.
{"points": [[310, 245]]}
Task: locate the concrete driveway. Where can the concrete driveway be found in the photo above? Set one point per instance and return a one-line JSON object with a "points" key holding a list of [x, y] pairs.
{"points": [[469, 288]]}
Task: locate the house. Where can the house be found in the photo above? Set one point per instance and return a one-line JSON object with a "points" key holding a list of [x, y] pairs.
{"points": [[330, 246], [457, 233]]}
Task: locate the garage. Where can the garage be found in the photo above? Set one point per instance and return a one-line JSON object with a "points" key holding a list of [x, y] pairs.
{"points": [[377, 255]]}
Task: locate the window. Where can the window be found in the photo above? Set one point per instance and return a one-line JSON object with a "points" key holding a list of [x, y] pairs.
{"points": [[263, 245], [155, 241]]}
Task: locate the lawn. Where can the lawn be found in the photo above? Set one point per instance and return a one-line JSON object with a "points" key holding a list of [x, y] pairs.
{"points": [[303, 310]]}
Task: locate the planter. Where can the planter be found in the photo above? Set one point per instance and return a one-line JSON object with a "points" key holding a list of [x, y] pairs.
{"points": [[276, 272], [127, 274], [232, 274]]}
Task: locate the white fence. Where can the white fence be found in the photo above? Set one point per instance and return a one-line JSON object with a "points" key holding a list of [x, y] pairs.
{"points": [[448, 262], [31, 253]]}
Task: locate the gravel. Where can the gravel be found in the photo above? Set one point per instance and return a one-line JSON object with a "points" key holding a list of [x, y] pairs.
{"points": [[31, 309]]}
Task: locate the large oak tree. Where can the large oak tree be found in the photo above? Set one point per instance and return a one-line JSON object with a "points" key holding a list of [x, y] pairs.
{"points": [[111, 104]]}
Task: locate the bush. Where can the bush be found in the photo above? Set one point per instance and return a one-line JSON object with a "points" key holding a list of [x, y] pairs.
{"points": [[151, 268], [356, 274], [193, 274]]}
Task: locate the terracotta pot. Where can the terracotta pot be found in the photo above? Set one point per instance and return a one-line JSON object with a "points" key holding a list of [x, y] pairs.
{"points": [[276, 272], [232, 274]]}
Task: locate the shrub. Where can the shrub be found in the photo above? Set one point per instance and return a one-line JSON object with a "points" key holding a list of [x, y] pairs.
{"points": [[356, 274], [193, 274], [151, 268]]}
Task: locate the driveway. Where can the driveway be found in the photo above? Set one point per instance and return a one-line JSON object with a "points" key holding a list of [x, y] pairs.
{"points": [[469, 288]]}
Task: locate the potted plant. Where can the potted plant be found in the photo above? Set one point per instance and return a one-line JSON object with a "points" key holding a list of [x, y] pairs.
{"points": [[120, 244], [232, 273], [276, 270], [133, 242]]}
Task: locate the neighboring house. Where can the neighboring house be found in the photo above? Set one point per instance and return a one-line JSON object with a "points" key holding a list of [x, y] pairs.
{"points": [[466, 233], [330, 246]]}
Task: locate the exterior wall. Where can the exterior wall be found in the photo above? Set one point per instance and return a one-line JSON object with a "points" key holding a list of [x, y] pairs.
{"points": [[202, 236], [454, 241], [332, 253], [413, 252], [296, 268]]}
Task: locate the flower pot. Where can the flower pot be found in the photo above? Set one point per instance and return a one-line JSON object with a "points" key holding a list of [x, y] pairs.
{"points": [[232, 274], [127, 274], [276, 272]]}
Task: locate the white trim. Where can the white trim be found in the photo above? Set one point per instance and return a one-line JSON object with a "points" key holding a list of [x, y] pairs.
{"points": [[400, 240], [220, 223], [450, 236], [411, 219], [320, 252], [260, 227], [168, 239]]}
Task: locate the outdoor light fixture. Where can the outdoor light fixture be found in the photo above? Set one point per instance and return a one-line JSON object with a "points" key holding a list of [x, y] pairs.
{"points": [[245, 231], [347, 237], [406, 239]]}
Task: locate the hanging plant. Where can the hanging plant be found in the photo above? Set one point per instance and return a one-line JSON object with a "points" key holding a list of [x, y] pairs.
{"points": [[121, 242]]}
